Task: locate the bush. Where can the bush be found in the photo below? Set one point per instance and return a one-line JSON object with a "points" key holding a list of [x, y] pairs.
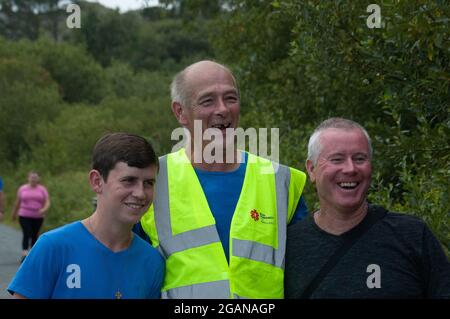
{"points": [[71, 198], [300, 62]]}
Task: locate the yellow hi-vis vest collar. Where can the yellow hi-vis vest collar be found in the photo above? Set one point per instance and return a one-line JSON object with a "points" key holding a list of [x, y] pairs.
{"points": [[180, 224]]}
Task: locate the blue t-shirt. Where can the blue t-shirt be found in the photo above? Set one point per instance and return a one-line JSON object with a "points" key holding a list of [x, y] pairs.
{"points": [[69, 262], [230, 187], [1, 184]]}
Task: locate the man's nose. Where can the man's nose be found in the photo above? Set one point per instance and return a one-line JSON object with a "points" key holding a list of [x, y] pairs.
{"points": [[138, 191], [348, 166], [221, 107]]}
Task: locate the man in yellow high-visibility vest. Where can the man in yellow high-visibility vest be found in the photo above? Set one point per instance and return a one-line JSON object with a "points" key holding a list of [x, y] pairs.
{"points": [[220, 214]]}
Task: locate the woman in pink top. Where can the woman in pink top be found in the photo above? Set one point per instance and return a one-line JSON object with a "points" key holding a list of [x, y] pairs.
{"points": [[31, 205]]}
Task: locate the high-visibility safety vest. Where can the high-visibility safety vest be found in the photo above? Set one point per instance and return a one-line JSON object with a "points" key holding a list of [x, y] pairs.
{"points": [[180, 224]]}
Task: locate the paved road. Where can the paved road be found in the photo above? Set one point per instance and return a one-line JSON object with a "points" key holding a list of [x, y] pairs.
{"points": [[10, 249]]}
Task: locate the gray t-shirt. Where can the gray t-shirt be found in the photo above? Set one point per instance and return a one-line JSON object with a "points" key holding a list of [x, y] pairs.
{"points": [[398, 257]]}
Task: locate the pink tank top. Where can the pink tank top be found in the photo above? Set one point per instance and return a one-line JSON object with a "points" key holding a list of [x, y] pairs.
{"points": [[32, 199]]}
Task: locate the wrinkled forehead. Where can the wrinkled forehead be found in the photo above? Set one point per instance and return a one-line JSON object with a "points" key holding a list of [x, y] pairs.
{"points": [[209, 76], [339, 140]]}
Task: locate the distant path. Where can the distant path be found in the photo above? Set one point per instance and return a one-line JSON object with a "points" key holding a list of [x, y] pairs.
{"points": [[10, 252]]}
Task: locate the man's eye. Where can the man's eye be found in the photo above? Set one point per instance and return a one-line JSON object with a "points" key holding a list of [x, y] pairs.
{"points": [[361, 159], [206, 102], [149, 183], [336, 160], [231, 99]]}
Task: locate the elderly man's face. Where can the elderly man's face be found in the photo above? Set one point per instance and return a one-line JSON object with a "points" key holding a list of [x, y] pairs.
{"points": [[343, 171], [214, 100]]}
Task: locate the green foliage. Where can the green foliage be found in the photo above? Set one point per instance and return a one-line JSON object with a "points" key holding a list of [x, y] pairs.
{"points": [[67, 142], [28, 95], [107, 34], [124, 82], [194, 8], [71, 198], [79, 76], [169, 45], [150, 39], [299, 62]]}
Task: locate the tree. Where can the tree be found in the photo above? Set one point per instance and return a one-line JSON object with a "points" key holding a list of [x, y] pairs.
{"points": [[28, 96], [300, 62], [28, 18]]}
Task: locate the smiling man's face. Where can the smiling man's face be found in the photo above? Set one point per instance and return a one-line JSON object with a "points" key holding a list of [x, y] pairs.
{"points": [[343, 170], [128, 192], [214, 99]]}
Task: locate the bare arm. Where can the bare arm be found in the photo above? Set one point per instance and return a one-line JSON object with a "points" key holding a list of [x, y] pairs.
{"points": [[15, 209], [44, 209]]}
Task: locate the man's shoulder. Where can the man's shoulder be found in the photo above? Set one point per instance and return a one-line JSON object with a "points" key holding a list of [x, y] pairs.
{"points": [[408, 226], [397, 219], [147, 250], [65, 233]]}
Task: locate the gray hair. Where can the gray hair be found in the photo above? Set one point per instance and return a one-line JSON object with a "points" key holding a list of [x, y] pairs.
{"points": [[179, 89], [314, 146]]}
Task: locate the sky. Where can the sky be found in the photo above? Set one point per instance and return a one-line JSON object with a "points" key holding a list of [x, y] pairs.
{"points": [[124, 5]]}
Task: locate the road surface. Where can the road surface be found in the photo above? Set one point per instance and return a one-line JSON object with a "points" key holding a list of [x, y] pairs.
{"points": [[10, 252]]}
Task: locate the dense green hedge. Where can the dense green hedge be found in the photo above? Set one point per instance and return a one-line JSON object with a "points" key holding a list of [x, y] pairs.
{"points": [[300, 62]]}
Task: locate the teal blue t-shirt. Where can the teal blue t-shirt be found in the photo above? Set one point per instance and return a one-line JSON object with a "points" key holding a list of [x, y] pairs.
{"points": [[69, 262]]}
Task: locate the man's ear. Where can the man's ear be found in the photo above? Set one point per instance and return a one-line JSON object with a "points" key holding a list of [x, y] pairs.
{"points": [[310, 168], [96, 181], [180, 113]]}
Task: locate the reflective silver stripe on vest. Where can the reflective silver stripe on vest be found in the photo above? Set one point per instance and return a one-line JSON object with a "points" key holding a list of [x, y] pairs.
{"points": [[264, 253], [190, 239], [207, 290]]}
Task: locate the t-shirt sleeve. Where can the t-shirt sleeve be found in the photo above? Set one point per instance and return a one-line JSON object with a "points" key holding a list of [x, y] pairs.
{"points": [[37, 275], [436, 265], [300, 212]]}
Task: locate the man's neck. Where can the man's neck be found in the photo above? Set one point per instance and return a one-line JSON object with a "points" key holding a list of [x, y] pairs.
{"points": [[115, 236], [337, 223]]}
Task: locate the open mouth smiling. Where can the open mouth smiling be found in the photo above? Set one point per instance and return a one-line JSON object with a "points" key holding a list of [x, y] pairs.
{"points": [[348, 185]]}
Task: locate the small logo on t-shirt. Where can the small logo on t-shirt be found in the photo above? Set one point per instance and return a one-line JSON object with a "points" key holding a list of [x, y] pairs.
{"points": [[74, 279], [374, 279]]}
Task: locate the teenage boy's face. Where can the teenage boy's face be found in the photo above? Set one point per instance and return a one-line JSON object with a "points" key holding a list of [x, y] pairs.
{"points": [[128, 191]]}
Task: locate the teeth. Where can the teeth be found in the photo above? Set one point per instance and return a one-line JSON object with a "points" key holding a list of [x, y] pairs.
{"points": [[348, 184], [221, 126], [134, 205]]}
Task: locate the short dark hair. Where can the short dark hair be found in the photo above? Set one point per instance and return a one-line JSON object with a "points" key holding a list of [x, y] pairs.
{"points": [[132, 149]]}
